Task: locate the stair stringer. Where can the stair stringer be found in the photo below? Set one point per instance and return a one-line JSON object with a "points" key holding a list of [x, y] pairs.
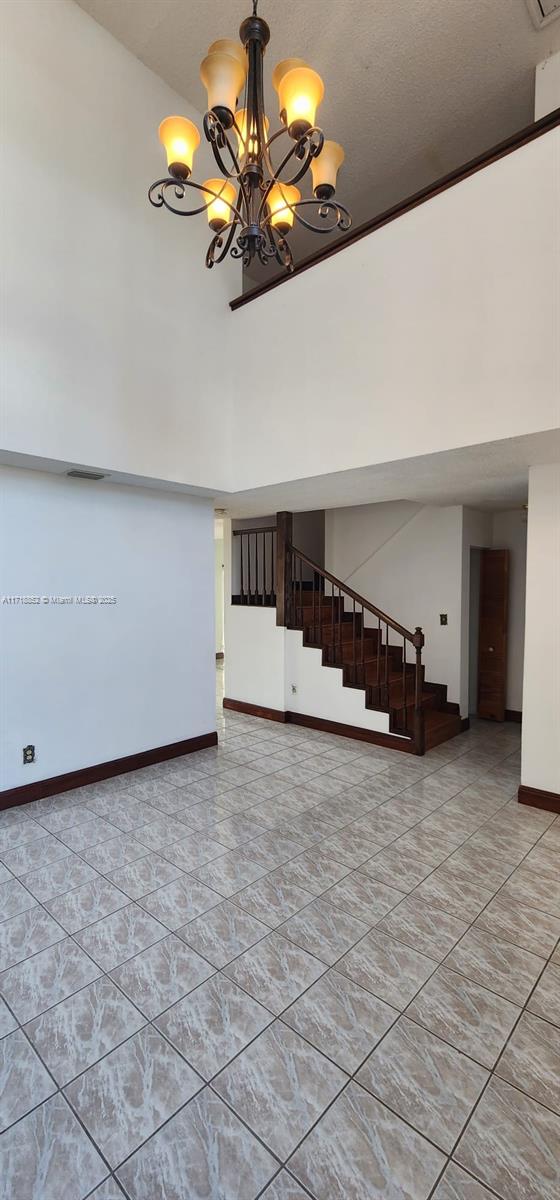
{"points": [[321, 692]]}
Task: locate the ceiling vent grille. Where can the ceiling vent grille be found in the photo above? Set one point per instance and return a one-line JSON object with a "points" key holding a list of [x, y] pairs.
{"points": [[543, 11], [75, 474]]}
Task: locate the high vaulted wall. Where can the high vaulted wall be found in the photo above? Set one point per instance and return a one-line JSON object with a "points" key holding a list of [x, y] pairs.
{"points": [[436, 331], [112, 326]]}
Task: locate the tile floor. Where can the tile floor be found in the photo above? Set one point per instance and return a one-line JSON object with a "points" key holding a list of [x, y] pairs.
{"points": [[292, 966]]}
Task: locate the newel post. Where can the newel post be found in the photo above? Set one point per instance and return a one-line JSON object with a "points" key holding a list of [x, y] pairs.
{"points": [[284, 524], [419, 724]]}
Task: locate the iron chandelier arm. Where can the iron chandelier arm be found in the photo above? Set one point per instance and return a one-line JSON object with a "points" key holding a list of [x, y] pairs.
{"points": [[324, 208], [215, 254], [157, 195], [283, 253], [217, 136], [296, 150]]}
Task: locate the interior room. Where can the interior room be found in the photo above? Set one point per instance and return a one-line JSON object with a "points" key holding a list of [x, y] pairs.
{"points": [[280, 600]]}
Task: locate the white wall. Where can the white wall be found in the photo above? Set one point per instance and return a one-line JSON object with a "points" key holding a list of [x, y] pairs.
{"points": [[254, 656], [219, 591], [541, 685], [113, 329], [547, 86], [406, 559], [320, 691], [90, 683], [509, 530], [434, 332], [264, 662]]}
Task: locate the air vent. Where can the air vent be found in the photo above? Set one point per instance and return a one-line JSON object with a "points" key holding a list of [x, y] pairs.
{"points": [[85, 475], [543, 11]]}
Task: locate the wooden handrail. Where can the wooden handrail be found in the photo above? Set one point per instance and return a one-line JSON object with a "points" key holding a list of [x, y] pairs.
{"points": [[255, 529], [416, 638]]}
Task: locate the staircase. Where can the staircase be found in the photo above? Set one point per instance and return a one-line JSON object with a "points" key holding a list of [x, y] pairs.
{"points": [[376, 654], [373, 664]]}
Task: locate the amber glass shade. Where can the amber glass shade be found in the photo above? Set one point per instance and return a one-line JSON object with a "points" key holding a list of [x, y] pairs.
{"points": [[218, 210], [241, 122], [223, 73], [324, 170], [180, 138], [300, 91], [279, 196], [229, 46], [282, 68]]}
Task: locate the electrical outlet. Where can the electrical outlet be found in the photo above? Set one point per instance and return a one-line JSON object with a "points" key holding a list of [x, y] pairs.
{"points": [[443, 618], [28, 754], [294, 689]]}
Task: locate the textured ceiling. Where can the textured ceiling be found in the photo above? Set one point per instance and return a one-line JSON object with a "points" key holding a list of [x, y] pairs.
{"points": [[414, 88], [491, 476]]}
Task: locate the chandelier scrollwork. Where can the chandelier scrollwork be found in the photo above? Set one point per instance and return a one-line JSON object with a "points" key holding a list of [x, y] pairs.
{"points": [[254, 205]]}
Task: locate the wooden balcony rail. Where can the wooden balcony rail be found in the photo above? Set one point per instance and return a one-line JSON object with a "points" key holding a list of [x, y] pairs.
{"points": [[520, 138], [254, 566]]}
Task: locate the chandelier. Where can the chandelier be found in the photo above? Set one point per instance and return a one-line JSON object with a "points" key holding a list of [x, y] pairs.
{"points": [[253, 206]]}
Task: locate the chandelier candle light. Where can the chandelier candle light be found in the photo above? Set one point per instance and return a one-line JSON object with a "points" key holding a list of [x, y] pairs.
{"points": [[254, 205]]}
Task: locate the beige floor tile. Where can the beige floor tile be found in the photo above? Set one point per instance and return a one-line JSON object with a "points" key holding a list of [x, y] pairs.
{"points": [[531, 1060], [424, 1080], [511, 1144]]}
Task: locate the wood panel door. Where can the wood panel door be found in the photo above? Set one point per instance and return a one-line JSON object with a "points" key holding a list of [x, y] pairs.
{"points": [[492, 634]]}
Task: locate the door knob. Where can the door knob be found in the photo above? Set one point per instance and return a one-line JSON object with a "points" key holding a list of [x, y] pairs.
{"points": [[491, 649]]}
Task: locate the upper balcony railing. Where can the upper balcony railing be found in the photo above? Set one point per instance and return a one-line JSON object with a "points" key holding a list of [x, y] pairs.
{"points": [[254, 566], [521, 138]]}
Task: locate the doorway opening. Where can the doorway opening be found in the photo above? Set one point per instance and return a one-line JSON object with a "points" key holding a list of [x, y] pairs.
{"points": [[474, 625], [219, 586], [488, 632]]}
